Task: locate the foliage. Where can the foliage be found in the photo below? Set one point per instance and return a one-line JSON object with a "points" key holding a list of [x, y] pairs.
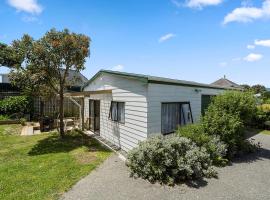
{"points": [[23, 121], [265, 108], [267, 101], [214, 146], [45, 166], [226, 117], [245, 87], [262, 115], [258, 89], [8, 57], [4, 117], [235, 103], [169, 160], [47, 63], [15, 104]]}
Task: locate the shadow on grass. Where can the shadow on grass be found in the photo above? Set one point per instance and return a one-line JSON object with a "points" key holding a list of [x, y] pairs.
{"points": [[74, 140]]}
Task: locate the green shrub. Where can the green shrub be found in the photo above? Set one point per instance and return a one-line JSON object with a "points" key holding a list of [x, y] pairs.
{"points": [[4, 117], [23, 121], [169, 160], [16, 104], [260, 118], [228, 127], [214, 146], [238, 103], [227, 116]]}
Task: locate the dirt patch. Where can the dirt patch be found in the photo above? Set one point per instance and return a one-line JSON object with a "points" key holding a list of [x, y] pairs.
{"points": [[86, 157], [14, 129]]}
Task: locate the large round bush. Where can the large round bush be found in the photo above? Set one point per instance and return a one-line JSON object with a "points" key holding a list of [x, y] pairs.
{"points": [[169, 160], [235, 103], [227, 116], [212, 143]]}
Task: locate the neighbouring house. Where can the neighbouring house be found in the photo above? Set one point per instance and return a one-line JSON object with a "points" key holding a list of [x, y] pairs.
{"points": [[126, 108], [6, 88], [224, 82], [75, 81]]}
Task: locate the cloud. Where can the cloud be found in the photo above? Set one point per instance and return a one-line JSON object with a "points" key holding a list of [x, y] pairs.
{"points": [[166, 37], [29, 6], [252, 57], [248, 13], [249, 46], [223, 64], [118, 68], [176, 3], [202, 3], [236, 59], [264, 43]]}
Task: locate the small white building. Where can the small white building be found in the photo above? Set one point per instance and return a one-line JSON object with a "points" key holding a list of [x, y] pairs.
{"points": [[126, 108]]}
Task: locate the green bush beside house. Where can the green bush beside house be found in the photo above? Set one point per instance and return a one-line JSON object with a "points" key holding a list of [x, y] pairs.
{"points": [[191, 153]]}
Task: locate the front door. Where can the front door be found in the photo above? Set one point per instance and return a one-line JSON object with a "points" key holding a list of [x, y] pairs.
{"points": [[94, 115]]}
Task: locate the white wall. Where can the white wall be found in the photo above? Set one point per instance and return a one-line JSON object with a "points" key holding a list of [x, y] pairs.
{"points": [[134, 94], [158, 93]]}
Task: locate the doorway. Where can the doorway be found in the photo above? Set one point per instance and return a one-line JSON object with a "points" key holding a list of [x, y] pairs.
{"points": [[94, 116]]}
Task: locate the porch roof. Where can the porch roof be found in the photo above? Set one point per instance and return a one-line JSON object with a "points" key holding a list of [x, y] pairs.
{"points": [[86, 93]]}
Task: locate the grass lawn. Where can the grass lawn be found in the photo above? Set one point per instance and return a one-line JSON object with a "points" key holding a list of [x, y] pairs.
{"points": [[44, 166], [267, 132]]}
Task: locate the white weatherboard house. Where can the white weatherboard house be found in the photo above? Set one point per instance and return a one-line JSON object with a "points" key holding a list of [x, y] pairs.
{"points": [[126, 108]]}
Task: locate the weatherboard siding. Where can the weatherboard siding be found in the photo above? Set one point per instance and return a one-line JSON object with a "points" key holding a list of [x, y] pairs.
{"points": [[159, 93], [134, 94]]}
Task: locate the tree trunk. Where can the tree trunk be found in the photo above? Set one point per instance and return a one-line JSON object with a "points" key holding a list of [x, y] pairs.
{"points": [[61, 112]]}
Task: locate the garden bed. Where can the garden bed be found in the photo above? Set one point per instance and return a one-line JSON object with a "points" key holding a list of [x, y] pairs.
{"points": [[9, 121]]}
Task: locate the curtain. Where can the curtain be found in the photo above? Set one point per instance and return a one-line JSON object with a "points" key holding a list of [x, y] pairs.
{"points": [[114, 111], [121, 112], [117, 111], [170, 117], [174, 115]]}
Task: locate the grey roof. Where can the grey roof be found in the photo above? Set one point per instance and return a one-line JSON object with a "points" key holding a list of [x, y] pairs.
{"points": [[224, 82], [75, 78], [155, 79]]}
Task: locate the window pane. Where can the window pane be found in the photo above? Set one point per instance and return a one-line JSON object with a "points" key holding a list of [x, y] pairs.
{"points": [[170, 117], [121, 112], [114, 111], [173, 115], [186, 113]]}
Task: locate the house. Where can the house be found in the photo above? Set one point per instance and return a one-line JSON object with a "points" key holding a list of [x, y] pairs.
{"points": [[75, 81], [6, 88], [126, 108], [224, 82]]}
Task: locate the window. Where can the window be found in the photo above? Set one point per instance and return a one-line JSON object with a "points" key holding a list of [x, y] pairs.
{"points": [[117, 111], [174, 115], [205, 102]]}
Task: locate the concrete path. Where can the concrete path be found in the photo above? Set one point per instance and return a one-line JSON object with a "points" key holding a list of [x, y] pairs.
{"points": [[245, 179]]}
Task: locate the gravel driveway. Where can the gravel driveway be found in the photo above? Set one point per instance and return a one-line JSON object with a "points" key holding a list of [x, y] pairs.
{"points": [[247, 179]]}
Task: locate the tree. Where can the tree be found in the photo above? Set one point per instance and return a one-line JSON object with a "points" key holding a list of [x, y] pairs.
{"points": [[245, 87], [47, 62], [8, 57], [258, 89]]}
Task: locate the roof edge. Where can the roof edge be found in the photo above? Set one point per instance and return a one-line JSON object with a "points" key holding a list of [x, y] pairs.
{"points": [[149, 79]]}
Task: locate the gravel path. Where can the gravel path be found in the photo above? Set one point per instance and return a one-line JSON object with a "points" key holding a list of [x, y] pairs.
{"points": [[245, 179]]}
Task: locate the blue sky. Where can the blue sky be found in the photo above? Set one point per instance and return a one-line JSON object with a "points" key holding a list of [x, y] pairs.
{"points": [[197, 40]]}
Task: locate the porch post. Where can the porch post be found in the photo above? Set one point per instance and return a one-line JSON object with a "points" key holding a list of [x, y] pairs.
{"points": [[82, 111]]}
